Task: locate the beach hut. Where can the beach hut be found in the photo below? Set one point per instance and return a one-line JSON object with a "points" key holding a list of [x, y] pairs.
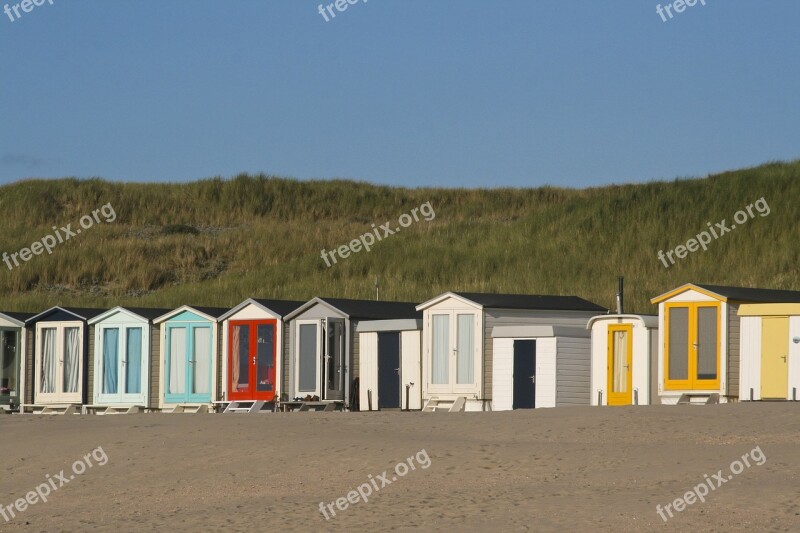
{"points": [[126, 364], [458, 346], [624, 359], [699, 340], [253, 340], [324, 349], [390, 355], [770, 358], [540, 366], [12, 346], [58, 360], [189, 356]]}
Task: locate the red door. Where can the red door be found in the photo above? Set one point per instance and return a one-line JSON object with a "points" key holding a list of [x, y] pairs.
{"points": [[251, 359]]}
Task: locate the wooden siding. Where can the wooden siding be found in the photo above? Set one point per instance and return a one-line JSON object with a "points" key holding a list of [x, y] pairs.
{"points": [[155, 364], [89, 362], [573, 369], [732, 377], [522, 317], [30, 367], [352, 371], [286, 357]]}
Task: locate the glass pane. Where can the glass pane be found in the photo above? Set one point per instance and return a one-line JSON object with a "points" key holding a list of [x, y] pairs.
{"points": [[465, 359], [72, 350], [678, 343], [707, 343], [265, 369], [133, 361], [240, 358], [201, 361], [110, 360], [440, 371], [335, 355], [620, 361], [177, 360], [49, 368], [308, 358], [9, 363]]}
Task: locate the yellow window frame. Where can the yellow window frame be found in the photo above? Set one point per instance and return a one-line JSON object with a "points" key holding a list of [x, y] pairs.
{"points": [[692, 383], [620, 398]]}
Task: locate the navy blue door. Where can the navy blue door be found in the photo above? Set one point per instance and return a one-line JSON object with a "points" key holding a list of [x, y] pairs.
{"points": [[524, 374], [388, 370]]}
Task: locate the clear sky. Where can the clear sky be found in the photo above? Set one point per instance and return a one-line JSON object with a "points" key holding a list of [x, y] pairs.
{"points": [[401, 92]]}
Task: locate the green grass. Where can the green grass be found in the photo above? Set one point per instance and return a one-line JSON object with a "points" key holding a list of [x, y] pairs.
{"points": [[217, 242]]}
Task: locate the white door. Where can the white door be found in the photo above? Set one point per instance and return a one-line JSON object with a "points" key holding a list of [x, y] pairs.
{"points": [[454, 348], [59, 362], [120, 364]]}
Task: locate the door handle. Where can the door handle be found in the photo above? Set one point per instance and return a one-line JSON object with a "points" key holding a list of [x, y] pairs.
{"points": [[784, 358], [533, 379], [254, 359]]}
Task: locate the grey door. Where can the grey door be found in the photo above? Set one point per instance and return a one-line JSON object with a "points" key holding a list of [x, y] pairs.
{"points": [[335, 359], [388, 370], [524, 374]]}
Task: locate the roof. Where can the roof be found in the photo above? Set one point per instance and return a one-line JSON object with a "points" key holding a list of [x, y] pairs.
{"points": [[213, 313], [523, 301], [84, 313], [278, 307], [742, 294], [146, 313], [364, 309], [19, 318], [648, 321]]}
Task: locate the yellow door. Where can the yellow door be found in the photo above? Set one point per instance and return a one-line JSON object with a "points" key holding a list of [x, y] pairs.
{"points": [[692, 346], [774, 357], [620, 367]]}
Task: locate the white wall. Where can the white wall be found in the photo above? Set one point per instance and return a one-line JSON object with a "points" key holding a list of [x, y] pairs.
{"points": [[750, 363], [794, 356], [368, 371], [410, 356], [503, 373]]}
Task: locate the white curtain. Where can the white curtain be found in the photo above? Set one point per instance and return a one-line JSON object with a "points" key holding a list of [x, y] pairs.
{"points": [[201, 381], [110, 360], [465, 360], [620, 383], [72, 352], [177, 360], [441, 350], [48, 381], [235, 359]]}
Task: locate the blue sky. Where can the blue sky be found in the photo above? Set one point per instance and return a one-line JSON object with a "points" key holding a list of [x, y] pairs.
{"points": [[401, 92]]}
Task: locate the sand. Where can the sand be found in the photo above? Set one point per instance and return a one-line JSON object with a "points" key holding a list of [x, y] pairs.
{"points": [[545, 470]]}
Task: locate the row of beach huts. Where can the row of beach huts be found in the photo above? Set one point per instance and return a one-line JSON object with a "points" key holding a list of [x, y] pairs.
{"points": [[455, 352]]}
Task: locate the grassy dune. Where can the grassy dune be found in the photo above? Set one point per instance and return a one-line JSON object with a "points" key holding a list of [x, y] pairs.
{"points": [[216, 242]]}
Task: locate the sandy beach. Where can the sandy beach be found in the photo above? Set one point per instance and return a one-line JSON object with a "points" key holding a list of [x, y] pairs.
{"points": [[544, 470]]}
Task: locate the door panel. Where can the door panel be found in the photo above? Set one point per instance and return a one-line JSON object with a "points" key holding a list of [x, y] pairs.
{"points": [[524, 374], [440, 360], [9, 367], [389, 387], [707, 343], [133, 361], [239, 364], [111, 360], [678, 344], [335, 360], [264, 370], [620, 365], [465, 349], [308, 356], [774, 358], [176, 365], [200, 367], [59, 363], [49, 362]]}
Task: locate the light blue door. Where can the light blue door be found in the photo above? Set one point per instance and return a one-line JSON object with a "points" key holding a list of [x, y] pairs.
{"points": [[188, 371]]}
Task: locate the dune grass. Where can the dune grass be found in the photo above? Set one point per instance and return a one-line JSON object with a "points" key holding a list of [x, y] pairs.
{"points": [[217, 242]]}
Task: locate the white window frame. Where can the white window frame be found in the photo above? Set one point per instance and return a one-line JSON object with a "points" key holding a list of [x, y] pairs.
{"points": [[59, 396], [121, 397]]}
